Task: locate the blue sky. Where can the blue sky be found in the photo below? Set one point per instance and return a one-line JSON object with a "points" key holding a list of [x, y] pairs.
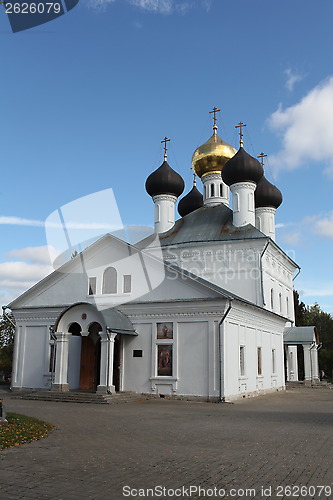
{"points": [[87, 98]]}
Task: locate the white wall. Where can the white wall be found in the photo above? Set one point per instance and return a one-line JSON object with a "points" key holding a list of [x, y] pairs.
{"points": [[252, 331]]}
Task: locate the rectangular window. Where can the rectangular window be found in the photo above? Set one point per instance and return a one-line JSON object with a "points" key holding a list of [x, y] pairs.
{"points": [[137, 353], [164, 360], [273, 361], [92, 286], [259, 361], [242, 360], [127, 288]]}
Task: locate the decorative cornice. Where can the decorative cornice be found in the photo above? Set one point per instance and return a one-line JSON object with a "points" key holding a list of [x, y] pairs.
{"points": [[165, 197], [243, 185]]}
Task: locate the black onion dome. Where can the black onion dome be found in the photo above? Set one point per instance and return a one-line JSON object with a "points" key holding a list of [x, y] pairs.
{"points": [[165, 181], [190, 202], [242, 168], [267, 195]]}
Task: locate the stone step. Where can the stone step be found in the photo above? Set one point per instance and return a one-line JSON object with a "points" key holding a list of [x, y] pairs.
{"points": [[323, 384], [80, 397]]}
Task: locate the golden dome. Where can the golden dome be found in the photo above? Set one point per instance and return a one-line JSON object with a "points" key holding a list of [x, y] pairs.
{"points": [[212, 155]]}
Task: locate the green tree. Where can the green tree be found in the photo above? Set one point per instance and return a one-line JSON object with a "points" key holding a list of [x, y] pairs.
{"points": [[7, 331], [323, 321]]}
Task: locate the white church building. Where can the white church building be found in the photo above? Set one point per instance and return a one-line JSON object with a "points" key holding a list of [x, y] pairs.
{"points": [[203, 307]]}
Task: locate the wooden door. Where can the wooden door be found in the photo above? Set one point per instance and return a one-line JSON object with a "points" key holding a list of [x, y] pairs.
{"points": [[87, 369]]}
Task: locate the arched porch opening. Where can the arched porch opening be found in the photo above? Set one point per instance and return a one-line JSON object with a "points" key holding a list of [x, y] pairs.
{"points": [[88, 348]]}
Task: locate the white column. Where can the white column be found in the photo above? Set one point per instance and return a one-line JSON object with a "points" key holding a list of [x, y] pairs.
{"points": [[292, 364], [307, 363], [106, 370], [164, 217], [314, 364], [215, 191], [243, 203], [60, 383], [265, 221]]}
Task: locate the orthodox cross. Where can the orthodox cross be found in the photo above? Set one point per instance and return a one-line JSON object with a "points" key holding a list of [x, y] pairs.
{"points": [[241, 135], [215, 110], [165, 140], [262, 156]]}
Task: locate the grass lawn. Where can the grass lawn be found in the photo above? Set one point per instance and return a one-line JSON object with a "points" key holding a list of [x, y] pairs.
{"points": [[22, 429]]}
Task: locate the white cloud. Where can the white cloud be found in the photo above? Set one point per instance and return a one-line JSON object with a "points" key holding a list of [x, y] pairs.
{"points": [[292, 238], [17, 276], [292, 78], [306, 129], [207, 4], [324, 225], [40, 255], [20, 221], [325, 290], [165, 7], [100, 4], [18, 272], [158, 6]]}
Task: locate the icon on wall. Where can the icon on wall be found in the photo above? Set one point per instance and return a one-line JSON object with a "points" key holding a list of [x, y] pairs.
{"points": [[23, 14]]}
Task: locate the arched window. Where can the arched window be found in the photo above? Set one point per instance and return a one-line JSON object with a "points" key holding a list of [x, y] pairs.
{"points": [[212, 190], [287, 303], [272, 299], [221, 190], [75, 329], [110, 280], [280, 302]]}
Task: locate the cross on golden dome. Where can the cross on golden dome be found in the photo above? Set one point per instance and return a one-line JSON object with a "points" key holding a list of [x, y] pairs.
{"points": [[165, 140], [215, 111], [241, 135]]}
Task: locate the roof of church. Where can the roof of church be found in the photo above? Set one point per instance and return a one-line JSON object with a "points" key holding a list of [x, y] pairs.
{"points": [[208, 223]]}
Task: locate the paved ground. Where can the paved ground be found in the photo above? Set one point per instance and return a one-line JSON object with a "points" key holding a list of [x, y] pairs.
{"points": [[282, 439]]}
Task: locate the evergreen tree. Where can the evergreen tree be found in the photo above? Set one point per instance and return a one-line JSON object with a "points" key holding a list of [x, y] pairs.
{"points": [[314, 316], [7, 331]]}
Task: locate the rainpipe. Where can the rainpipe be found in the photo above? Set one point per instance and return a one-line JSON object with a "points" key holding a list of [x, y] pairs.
{"points": [[221, 351]]}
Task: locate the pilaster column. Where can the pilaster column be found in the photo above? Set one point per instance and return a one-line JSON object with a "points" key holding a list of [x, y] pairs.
{"points": [[314, 364], [106, 370], [292, 365], [307, 363], [60, 383]]}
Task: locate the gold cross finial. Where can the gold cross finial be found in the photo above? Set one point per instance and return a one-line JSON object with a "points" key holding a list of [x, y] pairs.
{"points": [[241, 135], [262, 156], [215, 111], [165, 140]]}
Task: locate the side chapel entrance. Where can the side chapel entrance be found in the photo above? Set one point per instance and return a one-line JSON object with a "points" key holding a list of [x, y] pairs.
{"points": [[96, 351]]}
